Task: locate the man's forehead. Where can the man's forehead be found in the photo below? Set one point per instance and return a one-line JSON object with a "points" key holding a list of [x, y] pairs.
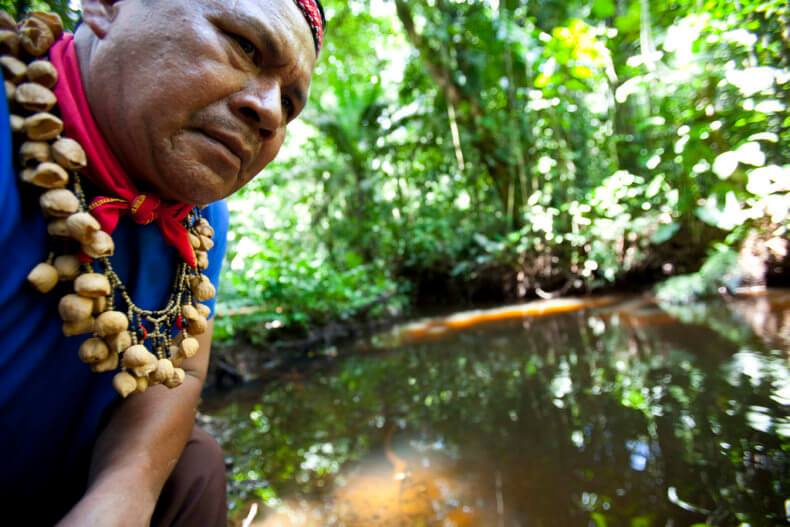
{"points": [[277, 25], [282, 14], [265, 9]]}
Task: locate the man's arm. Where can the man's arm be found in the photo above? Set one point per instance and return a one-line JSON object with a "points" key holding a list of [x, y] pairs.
{"points": [[137, 451]]}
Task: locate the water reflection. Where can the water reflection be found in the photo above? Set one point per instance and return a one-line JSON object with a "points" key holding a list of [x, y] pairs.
{"points": [[624, 414]]}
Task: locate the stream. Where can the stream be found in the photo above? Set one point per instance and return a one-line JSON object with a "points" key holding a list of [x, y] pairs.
{"points": [[597, 412]]}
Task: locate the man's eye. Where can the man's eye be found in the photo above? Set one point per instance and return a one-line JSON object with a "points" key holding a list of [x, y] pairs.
{"points": [[288, 106], [247, 47]]}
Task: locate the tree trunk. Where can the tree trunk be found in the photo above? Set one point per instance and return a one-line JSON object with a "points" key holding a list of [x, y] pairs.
{"points": [[487, 141]]}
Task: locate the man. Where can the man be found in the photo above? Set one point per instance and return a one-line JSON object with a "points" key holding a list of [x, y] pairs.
{"points": [[193, 98]]}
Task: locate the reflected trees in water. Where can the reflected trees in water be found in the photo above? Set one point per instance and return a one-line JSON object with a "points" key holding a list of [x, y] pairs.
{"points": [[592, 416]]}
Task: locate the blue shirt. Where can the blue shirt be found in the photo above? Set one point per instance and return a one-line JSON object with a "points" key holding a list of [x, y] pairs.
{"points": [[52, 406]]}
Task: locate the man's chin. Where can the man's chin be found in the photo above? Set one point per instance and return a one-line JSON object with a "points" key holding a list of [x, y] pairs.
{"points": [[191, 173], [190, 181], [198, 186]]}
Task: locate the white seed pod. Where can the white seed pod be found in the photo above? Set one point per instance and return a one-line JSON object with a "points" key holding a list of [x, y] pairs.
{"points": [[9, 42], [203, 227], [44, 277], [7, 21], [74, 307], [92, 285], [176, 379], [138, 359], [52, 20], [176, 355], [119, 342], [124, 383], [68, 267], [35, 35], [111, 323], [202, 288], [137, 355], [43, 126], [99, 305], [206, 243], [82, 226], [146, 369], [69, 154], [194, 241], [100, 245], [80, 327], [10, 91], [49, 175], [189, 347], [27, 175], [164, 370], [58, 227], [59, 202], [34, 97], [204, 310], [42, 72], [17, 122], [14, 70], [189, 312], [142, 384], [202, 260], [31, 153], [197, 326], [93, 350], [108, 364]]}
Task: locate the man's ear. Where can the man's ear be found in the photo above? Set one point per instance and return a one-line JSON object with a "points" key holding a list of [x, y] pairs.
{"points": [[99, 15]]}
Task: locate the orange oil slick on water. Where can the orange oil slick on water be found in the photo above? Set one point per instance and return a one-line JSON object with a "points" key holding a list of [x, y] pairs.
{"points": [[432, 329]]}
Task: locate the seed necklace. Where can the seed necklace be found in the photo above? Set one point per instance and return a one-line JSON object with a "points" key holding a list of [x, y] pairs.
{"points": [[145, 347]]}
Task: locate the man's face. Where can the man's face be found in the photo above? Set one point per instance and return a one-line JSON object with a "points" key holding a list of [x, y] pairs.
{"points": [[194, 96]]}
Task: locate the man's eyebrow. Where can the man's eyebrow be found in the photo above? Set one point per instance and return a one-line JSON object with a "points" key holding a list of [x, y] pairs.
{"points": [[263, 33]]}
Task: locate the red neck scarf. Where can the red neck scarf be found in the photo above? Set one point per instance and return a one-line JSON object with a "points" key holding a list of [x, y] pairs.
{"points": [[103, 168]]}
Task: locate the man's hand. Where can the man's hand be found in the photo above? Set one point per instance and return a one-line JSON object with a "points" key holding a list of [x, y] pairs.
{"points": [[137, 451]]}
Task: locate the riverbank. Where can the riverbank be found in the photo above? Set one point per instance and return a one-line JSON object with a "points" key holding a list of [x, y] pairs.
{"points": [[251, 342]]}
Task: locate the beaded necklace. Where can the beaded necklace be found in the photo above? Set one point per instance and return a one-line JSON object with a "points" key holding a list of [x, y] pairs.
{"points": [[145, 347]]}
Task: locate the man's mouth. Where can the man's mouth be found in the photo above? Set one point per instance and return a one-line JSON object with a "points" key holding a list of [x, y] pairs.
{"points": [[231, 142]]}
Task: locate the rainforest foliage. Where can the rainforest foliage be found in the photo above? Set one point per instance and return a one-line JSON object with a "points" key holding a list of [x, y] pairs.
{"points": [[522, 145], [464, 146]]}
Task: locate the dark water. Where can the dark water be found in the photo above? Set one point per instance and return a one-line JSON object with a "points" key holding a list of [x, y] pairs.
{"points": [[622, 414]]}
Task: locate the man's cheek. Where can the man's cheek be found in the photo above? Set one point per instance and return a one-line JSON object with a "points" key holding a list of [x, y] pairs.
{"points": [[185, 91]]}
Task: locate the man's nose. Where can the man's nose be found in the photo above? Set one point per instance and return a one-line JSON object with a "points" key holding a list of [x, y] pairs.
{"points": [[261, 107]]}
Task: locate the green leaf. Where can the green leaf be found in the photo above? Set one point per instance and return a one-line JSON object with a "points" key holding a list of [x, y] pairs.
{"points": [[642, 521], [599, 519], [603, 8]]}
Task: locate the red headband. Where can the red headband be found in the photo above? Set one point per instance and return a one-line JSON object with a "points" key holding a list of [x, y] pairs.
{"points": [[312, 14]]}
